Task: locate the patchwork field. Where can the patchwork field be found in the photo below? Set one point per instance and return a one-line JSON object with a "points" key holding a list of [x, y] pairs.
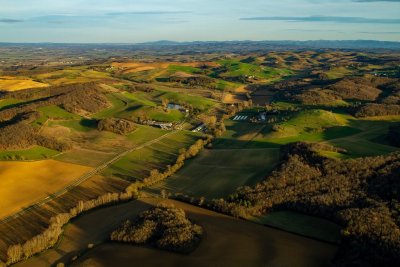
{"points": [[228, 242], [73, 75], [139, 163], [217, 173], [359, 137], [18, 83], [23, 183]]}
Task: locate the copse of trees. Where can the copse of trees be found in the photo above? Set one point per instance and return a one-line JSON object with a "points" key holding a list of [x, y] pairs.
{"points": [[80, 99], [115, 125], [316, 96], [163, 226], [22, 135], [373, 109], [193, 81]]}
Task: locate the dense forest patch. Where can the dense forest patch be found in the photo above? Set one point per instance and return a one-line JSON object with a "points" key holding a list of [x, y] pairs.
{"points": [[360, 194], [164, 226]]}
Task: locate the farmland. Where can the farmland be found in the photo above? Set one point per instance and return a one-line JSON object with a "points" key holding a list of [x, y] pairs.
{"points": [[25, 182], [221, 229], [300, 145], [217, 173], [15, 83]]}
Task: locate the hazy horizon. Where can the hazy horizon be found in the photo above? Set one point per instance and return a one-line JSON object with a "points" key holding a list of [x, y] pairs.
{"points": [[123, 21]]}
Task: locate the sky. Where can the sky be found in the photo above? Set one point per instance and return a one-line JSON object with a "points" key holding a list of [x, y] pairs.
{"points": [[135, 21]]}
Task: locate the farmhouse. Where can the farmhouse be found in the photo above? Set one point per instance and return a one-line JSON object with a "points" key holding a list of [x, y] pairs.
{"points": [[199, 128]]}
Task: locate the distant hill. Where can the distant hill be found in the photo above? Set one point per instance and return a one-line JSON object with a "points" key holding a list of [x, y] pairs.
{"points": [[233, 46]]}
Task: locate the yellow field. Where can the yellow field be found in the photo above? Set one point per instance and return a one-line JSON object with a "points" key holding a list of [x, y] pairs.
{"points": [[24, 183], [68, 76], [8, 83]]}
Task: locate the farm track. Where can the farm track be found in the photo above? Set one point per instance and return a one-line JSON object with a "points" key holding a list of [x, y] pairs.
{"points": [[82, 179]]}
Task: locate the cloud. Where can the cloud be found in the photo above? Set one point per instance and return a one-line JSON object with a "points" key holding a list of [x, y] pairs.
{"points": [[358, 20], [10, 20], [312, 30], [147, 13]]}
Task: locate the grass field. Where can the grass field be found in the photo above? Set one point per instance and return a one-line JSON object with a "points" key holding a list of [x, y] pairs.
{"points": [[34, 153], [80, 125], [23, 183], [338, 72], [73, 75], [197, 102], [54, 112], [110, 145], [302, 224], [228, 242], [360, 137], [139, 163], [236, 68], [218, 173], [130, 105], [18, 83]]}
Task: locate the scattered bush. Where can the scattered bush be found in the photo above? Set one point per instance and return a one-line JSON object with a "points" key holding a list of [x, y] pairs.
{"points": [[118, 126]]}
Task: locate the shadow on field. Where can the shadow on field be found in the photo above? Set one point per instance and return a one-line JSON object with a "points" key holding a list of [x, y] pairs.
{"points": [[226, 242]]}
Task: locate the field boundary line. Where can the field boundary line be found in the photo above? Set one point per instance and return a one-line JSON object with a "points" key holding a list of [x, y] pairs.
{"points": [[83, 178]]}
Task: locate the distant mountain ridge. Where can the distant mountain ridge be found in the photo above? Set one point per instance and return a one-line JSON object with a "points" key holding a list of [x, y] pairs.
{"points": [[222, 46]]}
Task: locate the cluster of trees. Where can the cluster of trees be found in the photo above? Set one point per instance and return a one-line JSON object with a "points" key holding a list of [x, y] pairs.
{"points": [[193, 80], [357, 88], [163, 226], [370, 90], [76, 98], [50, 236], [362, 195], [316, 97], [115, 125], [22, 135], [373, 109]]}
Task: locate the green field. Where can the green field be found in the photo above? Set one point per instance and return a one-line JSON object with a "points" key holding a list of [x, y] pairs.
{"points": [[236, 68], [7, 103], [139, 163], [217, 173], [80, 125], [302, 224], [197, 102], [131, 105], [34, 153], [187, 69], [54, 112], [359, 137]]}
